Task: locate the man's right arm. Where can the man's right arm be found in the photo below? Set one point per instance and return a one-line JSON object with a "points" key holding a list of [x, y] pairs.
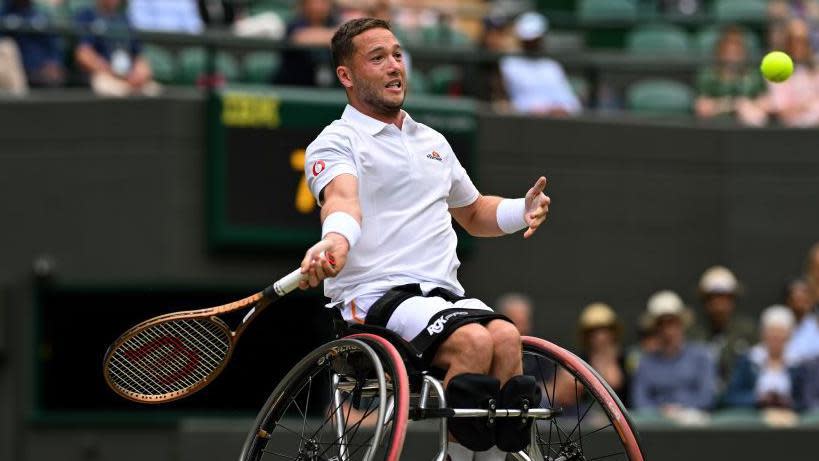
{"points": [[339, 198]]}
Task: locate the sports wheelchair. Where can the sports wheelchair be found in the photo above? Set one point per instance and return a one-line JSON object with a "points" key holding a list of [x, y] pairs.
{"points": [[353, 399]]}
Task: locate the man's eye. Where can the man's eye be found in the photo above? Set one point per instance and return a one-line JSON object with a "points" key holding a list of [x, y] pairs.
{"points": [[398, 55], [377, 58]]}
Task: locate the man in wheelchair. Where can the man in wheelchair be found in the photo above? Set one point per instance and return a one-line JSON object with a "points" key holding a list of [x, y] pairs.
{"points": [[389, 187]]}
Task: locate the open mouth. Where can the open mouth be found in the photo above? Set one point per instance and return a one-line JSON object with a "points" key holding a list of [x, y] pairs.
{"points": [[394, 85]]}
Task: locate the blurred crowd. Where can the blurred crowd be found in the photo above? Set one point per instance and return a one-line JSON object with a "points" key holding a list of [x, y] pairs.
{"points": [[520, 78], [688, 361]]}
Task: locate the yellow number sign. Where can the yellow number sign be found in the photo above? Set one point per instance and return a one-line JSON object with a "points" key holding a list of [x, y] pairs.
{"points": [[304, 199]]}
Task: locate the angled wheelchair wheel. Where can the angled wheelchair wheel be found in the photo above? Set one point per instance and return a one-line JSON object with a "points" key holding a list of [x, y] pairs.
{"points": [[346, 401], [592, 422]]}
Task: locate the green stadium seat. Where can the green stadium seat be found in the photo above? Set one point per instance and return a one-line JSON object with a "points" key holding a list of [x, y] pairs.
{"points": [[741, 10], [442, 79], [162, 63], [445, 36], [259, 66], [706, 40], [658, 38], [660, 96], [597, 11], [418, 82], [71, 7], [580, 87], [286, 9], [192, 64]]}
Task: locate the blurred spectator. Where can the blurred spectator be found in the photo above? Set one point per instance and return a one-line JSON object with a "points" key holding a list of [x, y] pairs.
{"points": [[40, 53], [518, 308], [795, 102], [812, 272], [314, 26], [809, 396], [600, 333], [113, 61], [780, 12], [495, 38], [218, 13], [165, 15], [679, 376], [647, 343], [535, 83], [763, 377], [727, 333], [12, 74], [681, 7], [804, 342], [726, 89]]}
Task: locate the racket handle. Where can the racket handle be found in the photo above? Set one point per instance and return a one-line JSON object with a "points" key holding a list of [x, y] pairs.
{"points": [[287, 283], [291, 281]]}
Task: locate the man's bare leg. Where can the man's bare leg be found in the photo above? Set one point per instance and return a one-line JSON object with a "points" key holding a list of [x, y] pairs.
{"points": [[507, 360], [469, 349]]}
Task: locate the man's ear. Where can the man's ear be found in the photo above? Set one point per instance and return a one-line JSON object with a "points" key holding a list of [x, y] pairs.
{"points": [[343, 73]]}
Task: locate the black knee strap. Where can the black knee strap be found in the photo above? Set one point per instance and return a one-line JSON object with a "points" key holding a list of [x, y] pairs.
{"points": [[471, 390], [520, 392]]}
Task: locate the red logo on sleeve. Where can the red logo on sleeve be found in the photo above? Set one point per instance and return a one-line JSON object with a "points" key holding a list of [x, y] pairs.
{"points": [[318, 167]]}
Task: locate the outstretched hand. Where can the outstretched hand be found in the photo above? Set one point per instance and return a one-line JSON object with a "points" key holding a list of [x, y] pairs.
{"points": [[537, 206]]}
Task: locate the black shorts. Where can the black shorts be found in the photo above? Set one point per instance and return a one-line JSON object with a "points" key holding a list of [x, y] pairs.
{"points": [[427, 322]]}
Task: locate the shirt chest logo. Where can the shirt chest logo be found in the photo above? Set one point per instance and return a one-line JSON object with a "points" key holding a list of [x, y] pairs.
{"points": [[435, 156]]}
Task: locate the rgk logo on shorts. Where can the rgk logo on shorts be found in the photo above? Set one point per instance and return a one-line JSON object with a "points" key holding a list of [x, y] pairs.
{"points": [[438, 325]]}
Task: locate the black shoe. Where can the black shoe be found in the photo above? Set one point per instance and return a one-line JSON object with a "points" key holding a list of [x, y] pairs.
{"points": [[471, 390], [520, 392]]}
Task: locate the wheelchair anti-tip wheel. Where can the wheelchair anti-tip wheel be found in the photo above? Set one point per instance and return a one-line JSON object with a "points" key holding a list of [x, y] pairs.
{"points": [[346, 401]]}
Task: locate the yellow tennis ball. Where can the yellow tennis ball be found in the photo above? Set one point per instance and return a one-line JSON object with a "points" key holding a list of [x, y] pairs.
{"points": [[776, 66]]}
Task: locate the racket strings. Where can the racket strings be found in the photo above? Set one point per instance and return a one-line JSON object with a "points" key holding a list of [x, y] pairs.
{"points": [[169, 357]]}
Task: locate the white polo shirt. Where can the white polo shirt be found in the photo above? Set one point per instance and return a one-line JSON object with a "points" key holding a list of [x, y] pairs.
{"points": [[408, 179]]}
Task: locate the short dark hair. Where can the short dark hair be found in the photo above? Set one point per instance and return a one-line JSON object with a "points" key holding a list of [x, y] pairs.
{"points": [[342, 43]]}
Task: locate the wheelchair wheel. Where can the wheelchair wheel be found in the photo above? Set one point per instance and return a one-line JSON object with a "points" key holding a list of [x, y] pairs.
{"points": [[593, 424], [346, 401]]}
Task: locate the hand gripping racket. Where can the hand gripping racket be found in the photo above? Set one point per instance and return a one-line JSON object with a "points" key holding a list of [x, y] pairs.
{"points": [[175, 355]]}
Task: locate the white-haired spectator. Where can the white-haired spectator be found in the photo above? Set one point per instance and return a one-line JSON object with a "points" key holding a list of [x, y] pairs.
{"points": [[679, 376], [763, 378]]}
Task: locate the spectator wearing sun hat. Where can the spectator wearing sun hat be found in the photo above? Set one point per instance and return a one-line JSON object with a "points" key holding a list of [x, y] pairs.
{"points": [[599, 333], [680, 375], [727, 333], [536, 84]]}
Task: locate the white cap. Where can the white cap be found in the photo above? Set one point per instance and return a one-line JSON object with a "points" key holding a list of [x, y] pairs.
{"points": [[718, 279], [777, 316], [531, 26], [667, 302]]}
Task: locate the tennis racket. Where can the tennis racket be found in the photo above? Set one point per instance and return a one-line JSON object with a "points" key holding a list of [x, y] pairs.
{"points": [[175, 355]]}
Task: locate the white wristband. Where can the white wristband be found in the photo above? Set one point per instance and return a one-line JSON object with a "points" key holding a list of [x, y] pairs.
{"points": [[511, 215], [344, 224]]}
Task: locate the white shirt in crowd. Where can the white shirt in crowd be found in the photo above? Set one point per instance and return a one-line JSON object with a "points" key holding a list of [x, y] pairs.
{"points": [[408, 179], [165, 15], [804, 341], [537, 85]]}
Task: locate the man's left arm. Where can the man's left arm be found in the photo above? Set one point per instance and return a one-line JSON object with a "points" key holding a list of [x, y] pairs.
{"points": [[490, 216]]}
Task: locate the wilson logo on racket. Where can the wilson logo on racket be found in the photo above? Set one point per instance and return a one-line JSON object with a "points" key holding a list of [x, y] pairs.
{"points": [[162, 356]]}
